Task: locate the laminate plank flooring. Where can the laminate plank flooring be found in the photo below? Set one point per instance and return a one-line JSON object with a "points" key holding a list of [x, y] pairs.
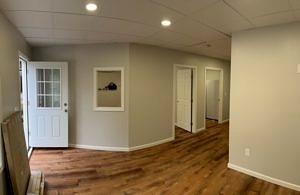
{"points": [[211, 123], [181, 133], [195, 164]]}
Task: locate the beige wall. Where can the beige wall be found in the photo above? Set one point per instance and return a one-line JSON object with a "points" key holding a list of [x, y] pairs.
{"points": [[88, 127], [10, 43], [265, 108], [151, 90]]}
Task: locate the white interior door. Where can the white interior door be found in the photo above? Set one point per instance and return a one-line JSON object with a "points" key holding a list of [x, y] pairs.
{"points": [[48, 104], [184, 99], [212, 99]]}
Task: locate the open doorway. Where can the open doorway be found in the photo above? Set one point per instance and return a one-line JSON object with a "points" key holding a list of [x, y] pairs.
{"points": [[213, 96], [184, 107], [24, 95]]}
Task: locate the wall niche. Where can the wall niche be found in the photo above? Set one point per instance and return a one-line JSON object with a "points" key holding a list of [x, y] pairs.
{"points": [[108, 89]]}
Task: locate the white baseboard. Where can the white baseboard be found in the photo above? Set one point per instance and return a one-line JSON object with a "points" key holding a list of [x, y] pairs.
{"points": [[151, 144], [225, 121], [121, 149], [264, 177], [30, 152], [198, 130], [105, 148]]}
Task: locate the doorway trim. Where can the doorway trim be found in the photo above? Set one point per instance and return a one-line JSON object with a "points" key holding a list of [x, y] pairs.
{"points": [[24, 104], [221, 94], [195, 95]]}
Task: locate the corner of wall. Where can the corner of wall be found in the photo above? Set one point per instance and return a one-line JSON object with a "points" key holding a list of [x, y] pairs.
{"points": [[2, 181]]}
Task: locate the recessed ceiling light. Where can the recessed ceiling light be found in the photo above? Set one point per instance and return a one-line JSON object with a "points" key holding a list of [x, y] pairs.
{"points": [[91, 7], [166, 23]]}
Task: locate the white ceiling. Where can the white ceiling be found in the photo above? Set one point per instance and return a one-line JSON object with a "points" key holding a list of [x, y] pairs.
{"points": [[198, 26]]}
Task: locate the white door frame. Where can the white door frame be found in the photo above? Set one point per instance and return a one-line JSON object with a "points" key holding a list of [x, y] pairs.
{"points": [[221, 92], [194, 106], [25, 97]]}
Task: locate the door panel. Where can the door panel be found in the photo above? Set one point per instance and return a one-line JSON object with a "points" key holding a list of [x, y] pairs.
{"points": [[212, 99], [48, 107], [183, 99]]}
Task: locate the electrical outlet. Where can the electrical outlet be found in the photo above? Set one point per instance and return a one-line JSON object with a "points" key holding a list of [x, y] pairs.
{"points": [[247, 152]]}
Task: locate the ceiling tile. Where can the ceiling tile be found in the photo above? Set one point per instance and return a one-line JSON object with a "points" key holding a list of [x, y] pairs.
{"points": [[75, 6], [40, 41], [173, 37], [187, 6], [143, 11], [93, 35], [222, 17], [68, 34], [219, 47], [253, 8], [207, 52], [47, 42], [157, 42], [121, 27], [196, 30], [72, 41], [71, 21], [30, 19], [295, 4], [126, 39], [29, 5], [272, 19], [113, 37], [36, 32]]}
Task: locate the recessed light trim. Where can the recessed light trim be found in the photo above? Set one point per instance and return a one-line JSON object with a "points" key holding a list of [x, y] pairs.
{"points": [[166, 23], [91, 7]]}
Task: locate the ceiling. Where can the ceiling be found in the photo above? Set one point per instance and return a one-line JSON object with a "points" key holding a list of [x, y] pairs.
{"points": [[198, 26]]}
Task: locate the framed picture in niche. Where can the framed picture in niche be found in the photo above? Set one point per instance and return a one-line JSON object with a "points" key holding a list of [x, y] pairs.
{"points": [[108, 89]]}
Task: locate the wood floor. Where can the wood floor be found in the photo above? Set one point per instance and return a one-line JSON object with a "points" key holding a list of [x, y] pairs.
{"points": [[211, 123], [195, 164], [181, 133]]}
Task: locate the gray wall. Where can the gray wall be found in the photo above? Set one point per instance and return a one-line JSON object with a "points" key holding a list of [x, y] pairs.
{"points": [[88, 127], [265, 108], [148, 72], [151, 90], [10, 43]]}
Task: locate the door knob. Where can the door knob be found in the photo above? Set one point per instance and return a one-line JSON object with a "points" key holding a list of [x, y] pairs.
{"points": [[65, 104], [66, 110]]}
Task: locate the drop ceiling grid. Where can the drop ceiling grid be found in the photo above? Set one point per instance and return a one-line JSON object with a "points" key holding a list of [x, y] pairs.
{"points": [[61, 11], [41, 21], [58, 25]]}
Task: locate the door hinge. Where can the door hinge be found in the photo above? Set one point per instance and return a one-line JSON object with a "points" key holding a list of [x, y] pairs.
{"points": [[192, 123], [29, 133]]}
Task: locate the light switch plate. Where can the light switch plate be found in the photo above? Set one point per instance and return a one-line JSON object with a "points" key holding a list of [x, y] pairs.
{"points": [[298, 68]]}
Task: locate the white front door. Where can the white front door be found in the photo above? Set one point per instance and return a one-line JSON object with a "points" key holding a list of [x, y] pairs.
{"points": [[212, 99], [48, 104], [184, 99]]}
